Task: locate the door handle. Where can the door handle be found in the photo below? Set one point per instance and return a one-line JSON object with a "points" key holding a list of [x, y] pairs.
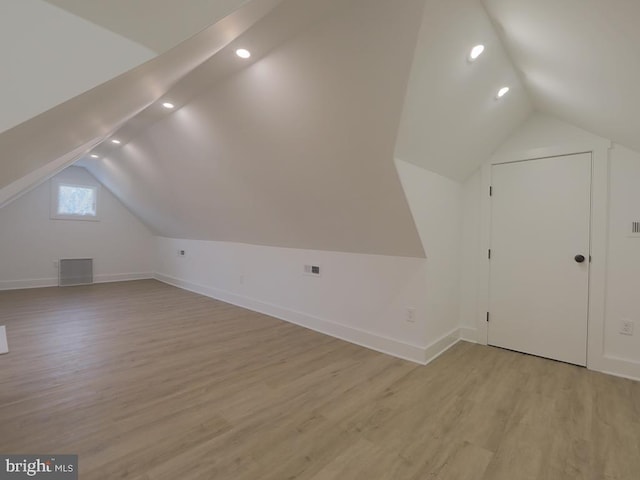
{"points": [[579, 258]]}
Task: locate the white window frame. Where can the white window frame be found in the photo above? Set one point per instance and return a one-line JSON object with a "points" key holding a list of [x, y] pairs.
{"points": [[55, 192]]}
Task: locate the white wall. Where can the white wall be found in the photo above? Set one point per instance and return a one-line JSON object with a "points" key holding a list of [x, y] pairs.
{"points": [[544, 131], [360, 298], [470, 254], [623, 279], [619, 354], [436, 206], [49, 56], [31, 241]]}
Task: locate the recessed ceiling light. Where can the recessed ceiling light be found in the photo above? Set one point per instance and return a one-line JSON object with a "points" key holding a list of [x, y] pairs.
{"points": [[168, 105], [93, 155], [476, 52], [116, 141], [243, 53], [502, 92]]}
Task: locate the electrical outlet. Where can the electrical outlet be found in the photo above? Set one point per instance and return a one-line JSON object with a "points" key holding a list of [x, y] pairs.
{"points": [[410, 315], [626, 327], [181, 253]]}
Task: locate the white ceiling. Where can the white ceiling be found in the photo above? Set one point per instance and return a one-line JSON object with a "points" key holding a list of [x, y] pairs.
{"points": [[562, 58], [100, 111], [297, 148], [452, 121], [44, 64], [156, 24], [579, 59]]}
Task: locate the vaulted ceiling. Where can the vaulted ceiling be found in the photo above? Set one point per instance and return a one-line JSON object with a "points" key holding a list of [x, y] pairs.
{"points": [[295, 147], [44, 64], [579, 60], [452, 121], [295, 150], [33, 146], [157, 24]]}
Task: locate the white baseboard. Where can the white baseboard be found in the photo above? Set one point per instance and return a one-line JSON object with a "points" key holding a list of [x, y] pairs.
{"points": [[415, 353], [437, 348], [53, 282], [469, 334], [608, 364], [121, 277], [619, 367], [31, 283]]}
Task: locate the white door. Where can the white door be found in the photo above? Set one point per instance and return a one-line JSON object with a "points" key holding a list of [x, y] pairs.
{"points": [[539, 290]]}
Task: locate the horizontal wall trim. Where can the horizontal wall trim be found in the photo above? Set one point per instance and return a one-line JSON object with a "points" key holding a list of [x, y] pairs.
{"points": [[437, 348], [610, 365], [421, 354], [53, 282], [620, 367], [30, 283], [121, 277]]}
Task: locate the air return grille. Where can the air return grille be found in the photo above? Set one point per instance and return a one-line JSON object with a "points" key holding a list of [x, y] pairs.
{"points": [[75, 271]]}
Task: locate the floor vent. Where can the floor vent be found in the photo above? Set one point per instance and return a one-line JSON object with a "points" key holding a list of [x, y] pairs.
{"points": [[75, 271]]}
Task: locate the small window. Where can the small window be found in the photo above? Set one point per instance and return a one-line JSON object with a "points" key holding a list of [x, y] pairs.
{"points": [[74, 202]]}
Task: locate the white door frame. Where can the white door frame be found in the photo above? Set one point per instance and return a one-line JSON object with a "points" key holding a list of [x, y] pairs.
{"points": [[599, 239]]}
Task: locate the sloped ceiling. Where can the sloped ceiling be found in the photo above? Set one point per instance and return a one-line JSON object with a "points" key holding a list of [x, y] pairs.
{"points": [[580, 60], [44, 64], [452, 121], [156, 24], [295, 150], [35, 144]]}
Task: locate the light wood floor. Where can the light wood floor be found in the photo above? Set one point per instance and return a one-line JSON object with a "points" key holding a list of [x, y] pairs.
{"points": [[148, 382]]}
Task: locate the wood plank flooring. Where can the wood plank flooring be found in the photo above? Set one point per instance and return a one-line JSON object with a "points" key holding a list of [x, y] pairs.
{"points": [[148, 382]]}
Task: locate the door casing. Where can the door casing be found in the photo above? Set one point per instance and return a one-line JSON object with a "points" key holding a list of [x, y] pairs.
{"points": [[596, 358], [552, 195]]}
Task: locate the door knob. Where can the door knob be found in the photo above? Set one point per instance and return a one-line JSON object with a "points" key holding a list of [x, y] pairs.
{"points": [[579, 258]]}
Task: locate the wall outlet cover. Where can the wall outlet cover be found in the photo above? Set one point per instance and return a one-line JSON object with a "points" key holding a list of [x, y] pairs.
{"points": [[411, 315], [626, 327]]}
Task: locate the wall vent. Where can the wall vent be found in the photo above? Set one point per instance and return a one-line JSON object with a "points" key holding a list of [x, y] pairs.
{"points": [[313, 270], [635, 229], [75, 271]]}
